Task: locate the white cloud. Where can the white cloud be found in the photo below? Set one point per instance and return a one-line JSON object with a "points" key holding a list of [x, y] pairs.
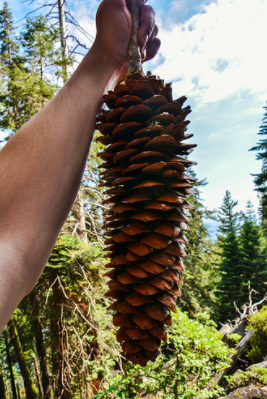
{"points": [[219, 52], [218, 59]]}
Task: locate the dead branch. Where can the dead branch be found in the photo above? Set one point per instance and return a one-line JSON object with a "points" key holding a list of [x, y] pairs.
{"points": [[250, 308]]}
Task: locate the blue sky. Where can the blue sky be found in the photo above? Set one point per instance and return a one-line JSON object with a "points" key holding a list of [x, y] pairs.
{"points": [[213, 52]]}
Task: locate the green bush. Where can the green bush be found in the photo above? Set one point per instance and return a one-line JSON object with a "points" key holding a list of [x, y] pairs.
{"points": [[187, 364], [258, 322], [254, 376]]}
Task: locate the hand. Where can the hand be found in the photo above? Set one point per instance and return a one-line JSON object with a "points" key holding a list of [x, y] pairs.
{"points": [[114, 23]]}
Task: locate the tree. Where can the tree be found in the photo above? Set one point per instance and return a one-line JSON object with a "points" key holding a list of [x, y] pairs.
{"points": [[197, 295], [25, 88], [8, 46], [28, 383], [230, 269], [253, 255], [261, 178], [3, 393], [9, 362], [40, 344]]}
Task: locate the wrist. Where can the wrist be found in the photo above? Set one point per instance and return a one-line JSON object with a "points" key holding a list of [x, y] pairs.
{"points": [[104, 68]]}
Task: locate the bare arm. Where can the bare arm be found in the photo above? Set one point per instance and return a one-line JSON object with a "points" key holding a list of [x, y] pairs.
{"points": [[42, 165]]}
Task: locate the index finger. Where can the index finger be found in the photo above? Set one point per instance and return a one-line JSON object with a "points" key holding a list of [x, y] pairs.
{"points": [[147, 24]]}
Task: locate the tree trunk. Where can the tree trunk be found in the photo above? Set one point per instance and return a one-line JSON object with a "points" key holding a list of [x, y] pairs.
{"points": [[78, 207], [79, 218], [64, 48], [251, 392], [60, 368], [3, 394], [25, 372], [18, 391], [41, 395], [40, 347], [12, 379]]}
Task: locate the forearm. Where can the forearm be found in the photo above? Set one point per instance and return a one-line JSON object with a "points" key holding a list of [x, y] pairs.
{"points": [[41, 167]]}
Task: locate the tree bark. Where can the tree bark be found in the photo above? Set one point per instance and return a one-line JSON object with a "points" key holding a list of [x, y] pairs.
{"points": [[63, 378], [25, 372], [134, 54], [40, 347], [61, 15], [78, 207], [79, 218], [18, 391], [12, 379], [251, 392], [41, 395]]}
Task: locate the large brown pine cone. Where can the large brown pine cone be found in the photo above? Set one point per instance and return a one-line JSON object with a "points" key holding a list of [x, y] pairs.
{"points": [[144, 171]]}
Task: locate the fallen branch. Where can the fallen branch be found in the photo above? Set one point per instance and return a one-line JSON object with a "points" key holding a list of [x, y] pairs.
{"points": [[234, 359]]}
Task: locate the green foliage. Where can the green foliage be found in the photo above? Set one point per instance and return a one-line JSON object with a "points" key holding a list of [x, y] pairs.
{"points": [[253, 251], [28, 67], [261, 178], [258, 343], [242, 258], [254, 376], [234, 338], [8, 45], [187, 364], [198, 297], [230, 268], [3, 393]]}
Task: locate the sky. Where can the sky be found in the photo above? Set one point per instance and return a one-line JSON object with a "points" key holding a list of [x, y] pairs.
{"points": [[214, 52]]}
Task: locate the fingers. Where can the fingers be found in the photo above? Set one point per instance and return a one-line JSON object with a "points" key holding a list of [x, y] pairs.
{"points": [[147, 24], [152, 50], [147, 33]]}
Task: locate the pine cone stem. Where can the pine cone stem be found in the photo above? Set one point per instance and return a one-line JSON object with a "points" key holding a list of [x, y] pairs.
{"points": [[134, 53]]}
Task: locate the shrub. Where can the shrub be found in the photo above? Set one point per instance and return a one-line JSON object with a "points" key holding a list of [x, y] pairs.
{"points": [[254, 376], [193, 355], [258, 322]]}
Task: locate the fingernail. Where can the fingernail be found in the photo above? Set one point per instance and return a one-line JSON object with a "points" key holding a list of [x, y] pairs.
{"points": [[145, 40], [143, 54]]}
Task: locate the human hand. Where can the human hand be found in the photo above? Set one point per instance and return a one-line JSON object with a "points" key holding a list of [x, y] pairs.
{"points": [[114, 23]]}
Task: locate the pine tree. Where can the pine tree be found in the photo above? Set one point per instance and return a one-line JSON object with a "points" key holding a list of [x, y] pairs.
{"points": [[39, 40], [25, 89], [261, 178], [8, 44], [198, 296], [230, 269], [253, 256]]}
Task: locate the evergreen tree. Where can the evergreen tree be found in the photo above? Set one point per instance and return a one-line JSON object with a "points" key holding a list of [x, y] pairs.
{"points": [[198, 291], [230, 269], [253, 256], [40, 43], [261, 178], [8, 44], [29, 79]]}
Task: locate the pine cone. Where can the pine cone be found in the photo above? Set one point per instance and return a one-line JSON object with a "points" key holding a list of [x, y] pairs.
{"points": [[144, 171]]}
